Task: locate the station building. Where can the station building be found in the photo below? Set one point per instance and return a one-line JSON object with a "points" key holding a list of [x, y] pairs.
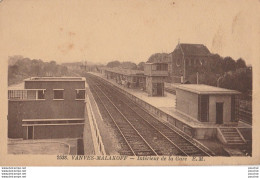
{"points": [[47, 107], [155, 74], [207, 103], [126, 77]]}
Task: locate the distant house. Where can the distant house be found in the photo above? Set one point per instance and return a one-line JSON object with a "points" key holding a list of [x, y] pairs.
{"points": [[185, 60]]}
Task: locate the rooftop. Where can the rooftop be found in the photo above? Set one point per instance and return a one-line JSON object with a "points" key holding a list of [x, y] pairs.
{"points": [[124, 71], [205, 89], [55, 79], [157, 62], [194, 49]]}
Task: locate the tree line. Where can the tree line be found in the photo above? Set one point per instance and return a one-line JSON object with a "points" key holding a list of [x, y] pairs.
{"points": [[126, 65], [20, 68], [224, 72]]}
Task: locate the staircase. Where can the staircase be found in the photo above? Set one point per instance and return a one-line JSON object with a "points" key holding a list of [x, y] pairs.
{"points": [[230, 136]]}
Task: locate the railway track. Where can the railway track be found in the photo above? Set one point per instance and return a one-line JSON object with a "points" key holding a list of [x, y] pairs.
{"points": [[133, 143], [158, 136], [245, 116]]}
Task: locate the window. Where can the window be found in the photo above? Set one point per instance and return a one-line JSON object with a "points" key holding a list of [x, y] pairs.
{"points": [[80, 94], [234, 108], [165, 67], [58, 94], [190, 64], [158, 67], [40, 95], [203, 108]]}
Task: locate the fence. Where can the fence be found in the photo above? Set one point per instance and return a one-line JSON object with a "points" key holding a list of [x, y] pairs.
{"points": [[27, 94], [245, 111]]}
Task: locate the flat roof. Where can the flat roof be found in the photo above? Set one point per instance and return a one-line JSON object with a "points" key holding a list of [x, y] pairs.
{"points": [[55, 79], [151, 63], [205, 89], [124, 71]]}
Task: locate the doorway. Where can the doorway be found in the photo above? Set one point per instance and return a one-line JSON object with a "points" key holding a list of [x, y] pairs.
{"points": [[219, 113], [30, 132], [159, 89]]}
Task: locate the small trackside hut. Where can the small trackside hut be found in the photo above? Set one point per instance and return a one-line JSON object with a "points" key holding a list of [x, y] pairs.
{"points": [[47, 107], [207, 103], [156, 74]]}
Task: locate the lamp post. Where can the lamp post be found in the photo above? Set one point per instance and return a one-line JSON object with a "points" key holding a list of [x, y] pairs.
{"points": [[218, 81], [220, 78]]}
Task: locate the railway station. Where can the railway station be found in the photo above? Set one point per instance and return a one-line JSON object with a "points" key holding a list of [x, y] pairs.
{"points": [[200, 111], [126, 77], [131, 112], [150, 80], [75, 107]]}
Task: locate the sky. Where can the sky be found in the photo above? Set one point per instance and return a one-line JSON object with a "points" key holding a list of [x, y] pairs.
{"points": [[126, 30]]}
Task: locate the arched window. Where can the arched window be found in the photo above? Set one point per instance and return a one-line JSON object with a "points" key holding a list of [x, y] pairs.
{"points": [[178, 62]]}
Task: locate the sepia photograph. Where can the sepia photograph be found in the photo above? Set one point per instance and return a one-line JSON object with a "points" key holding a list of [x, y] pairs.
{"points": [[129, 82]]}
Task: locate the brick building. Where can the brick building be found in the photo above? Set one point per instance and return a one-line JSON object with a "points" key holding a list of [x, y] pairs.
{"points": [[186, 59]]}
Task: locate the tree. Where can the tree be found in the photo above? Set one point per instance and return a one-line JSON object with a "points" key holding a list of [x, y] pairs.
{"points": [[21, 68], [64, 70], [240, 80], [214, 64], [113, 64], [229, 64], [13, 59], [162, 57], [128, 65], [140, 66], [240, 63]]}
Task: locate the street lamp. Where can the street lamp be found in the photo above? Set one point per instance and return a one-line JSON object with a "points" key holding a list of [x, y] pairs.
{"points": [[220, 78]]}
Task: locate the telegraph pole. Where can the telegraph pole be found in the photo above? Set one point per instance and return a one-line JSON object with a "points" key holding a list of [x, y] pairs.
{"points": [[197, 77]]}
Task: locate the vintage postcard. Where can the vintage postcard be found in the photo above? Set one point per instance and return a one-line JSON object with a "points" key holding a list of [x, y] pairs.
{"points": [[120, 82]]}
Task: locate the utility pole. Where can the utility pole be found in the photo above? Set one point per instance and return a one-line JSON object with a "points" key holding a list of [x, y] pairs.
{"points": [[197, 77], [184, 63], [184, 68], [85, 63]]}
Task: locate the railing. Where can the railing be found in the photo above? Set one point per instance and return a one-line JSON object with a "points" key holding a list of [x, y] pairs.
{"points": [[162, 73], [17, 94], [97, 139], [27, 94], [245, 111]]}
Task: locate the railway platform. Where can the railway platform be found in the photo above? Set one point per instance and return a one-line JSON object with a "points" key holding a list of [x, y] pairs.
{"points": [[164, 107]]}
